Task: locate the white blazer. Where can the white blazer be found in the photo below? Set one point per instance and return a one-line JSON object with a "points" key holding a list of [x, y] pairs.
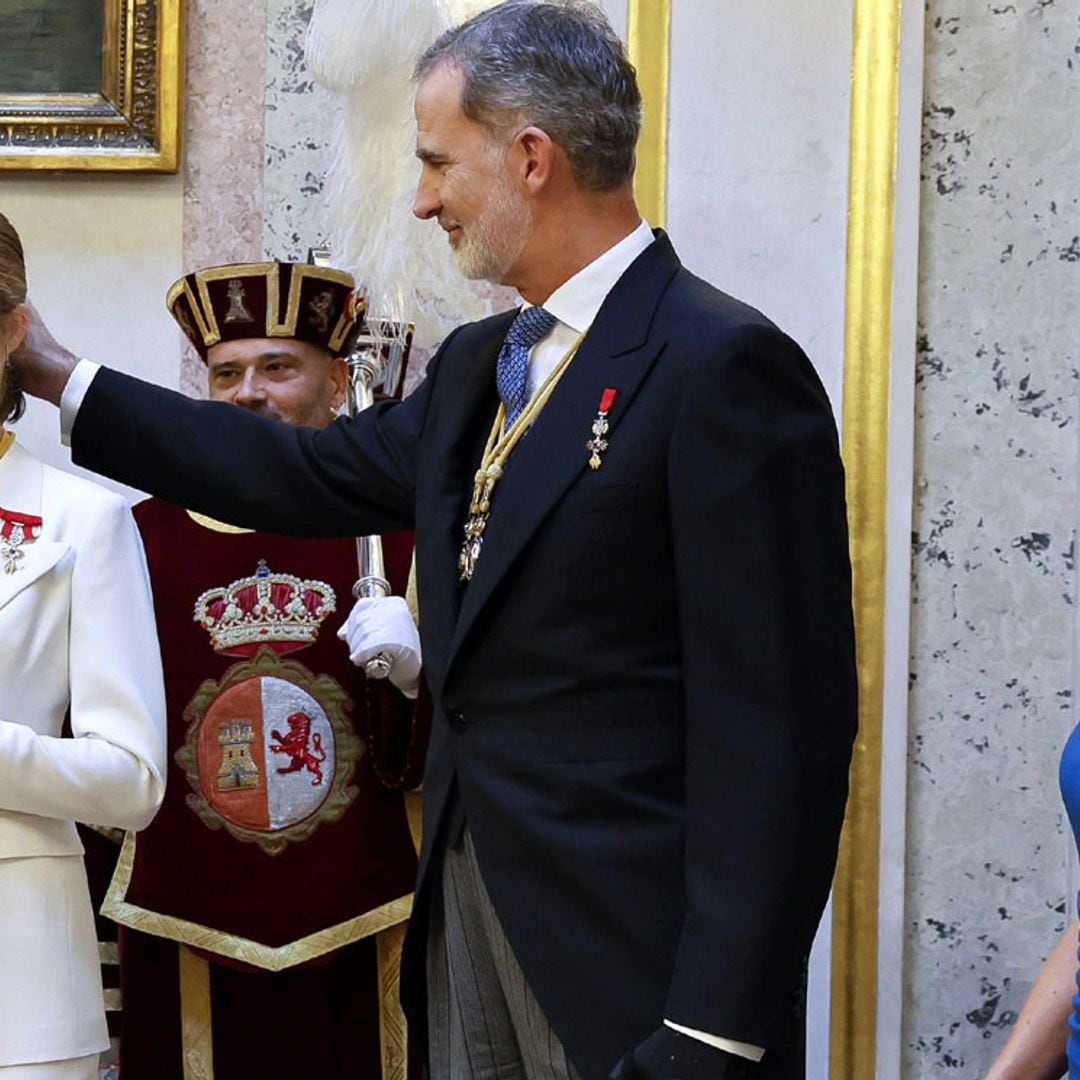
{"points": [[76, 629]]}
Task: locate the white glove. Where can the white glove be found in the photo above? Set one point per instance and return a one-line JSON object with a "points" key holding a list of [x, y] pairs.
{"points": [[383, 626]]}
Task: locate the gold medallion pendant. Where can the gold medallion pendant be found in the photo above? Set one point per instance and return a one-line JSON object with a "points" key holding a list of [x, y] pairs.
{"points": [[499, 446], [479, 512]]}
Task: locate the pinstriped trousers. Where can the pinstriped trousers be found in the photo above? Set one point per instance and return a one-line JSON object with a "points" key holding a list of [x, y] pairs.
{"points": [[483, 1021]]}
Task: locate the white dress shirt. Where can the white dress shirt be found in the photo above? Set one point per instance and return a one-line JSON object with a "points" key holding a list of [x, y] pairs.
{"points": [[574, 304]]}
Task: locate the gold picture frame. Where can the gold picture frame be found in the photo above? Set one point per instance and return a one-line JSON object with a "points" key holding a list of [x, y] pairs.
{"points": [[131, 122]]}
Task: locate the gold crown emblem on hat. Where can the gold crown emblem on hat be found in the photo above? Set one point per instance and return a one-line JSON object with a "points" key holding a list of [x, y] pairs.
{"points": [[279, 610]]}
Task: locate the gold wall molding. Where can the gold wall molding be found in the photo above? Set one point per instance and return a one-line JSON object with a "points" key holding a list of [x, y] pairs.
{"points": [[867, 350], [131, 123], [648, 33], [875, 86]]}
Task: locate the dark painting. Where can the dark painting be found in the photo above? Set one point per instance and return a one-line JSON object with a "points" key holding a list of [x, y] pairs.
{"points": [[51, 46]]}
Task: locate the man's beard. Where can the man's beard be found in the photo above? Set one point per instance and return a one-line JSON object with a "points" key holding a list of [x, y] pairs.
{"points": [[498, 235]]}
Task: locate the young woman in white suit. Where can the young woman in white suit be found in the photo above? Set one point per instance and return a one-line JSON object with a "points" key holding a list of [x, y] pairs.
{"points": [[76, 632]]}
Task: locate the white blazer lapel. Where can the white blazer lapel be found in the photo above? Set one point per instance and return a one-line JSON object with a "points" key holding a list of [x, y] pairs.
{"points": [[21, 480], [38, 558]]}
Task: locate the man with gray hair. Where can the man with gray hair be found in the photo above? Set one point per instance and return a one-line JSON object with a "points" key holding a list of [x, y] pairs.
{"points": [[634, 591]]}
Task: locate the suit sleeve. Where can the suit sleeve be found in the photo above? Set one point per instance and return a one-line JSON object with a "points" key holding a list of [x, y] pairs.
{"points": [[356, 477], [764, 592], [112, 772]]}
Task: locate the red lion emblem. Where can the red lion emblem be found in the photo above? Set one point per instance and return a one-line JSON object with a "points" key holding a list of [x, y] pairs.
{"points": [[295, 744]]}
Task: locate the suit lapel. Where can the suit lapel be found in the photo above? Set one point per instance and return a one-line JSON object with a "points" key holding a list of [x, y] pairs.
{"points": [[21, 479], [38, 558], [618, 352], [462, 414]]}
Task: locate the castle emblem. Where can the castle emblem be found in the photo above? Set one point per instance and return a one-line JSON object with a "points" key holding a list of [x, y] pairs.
{"points": [[321, 310], [270, 751], [238, 768], [238, 311]]}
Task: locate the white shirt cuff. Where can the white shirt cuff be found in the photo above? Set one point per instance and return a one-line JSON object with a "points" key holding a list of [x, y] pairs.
{"points": [[739, 1049], [72, 397]]}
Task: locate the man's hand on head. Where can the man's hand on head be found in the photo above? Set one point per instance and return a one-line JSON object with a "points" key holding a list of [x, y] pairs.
{"points": [[43, 364]]}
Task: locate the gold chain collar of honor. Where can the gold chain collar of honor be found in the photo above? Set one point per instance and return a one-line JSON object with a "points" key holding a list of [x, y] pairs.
{"points": [[6, 439], [499, 446]]}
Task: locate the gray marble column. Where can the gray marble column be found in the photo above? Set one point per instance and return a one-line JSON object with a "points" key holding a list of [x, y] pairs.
{"points": [[298, 127], [223, 143], [993, 679]]}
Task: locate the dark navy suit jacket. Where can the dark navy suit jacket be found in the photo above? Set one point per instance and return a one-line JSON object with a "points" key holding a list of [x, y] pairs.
{"points": [[645, 698]]}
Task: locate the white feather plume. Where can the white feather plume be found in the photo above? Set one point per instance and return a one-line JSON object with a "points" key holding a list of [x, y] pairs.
{"points": [[364, 51]]}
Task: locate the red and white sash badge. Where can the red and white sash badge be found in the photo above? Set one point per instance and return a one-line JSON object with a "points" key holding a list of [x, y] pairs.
{"points": [[270, 750], [16, 530]]}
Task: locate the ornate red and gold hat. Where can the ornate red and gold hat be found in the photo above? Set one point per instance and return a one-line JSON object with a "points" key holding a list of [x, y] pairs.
{"points": [[316, 304]]}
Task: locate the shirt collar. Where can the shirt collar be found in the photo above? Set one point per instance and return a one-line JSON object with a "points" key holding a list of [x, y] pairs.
{"points": [[577, 300]]}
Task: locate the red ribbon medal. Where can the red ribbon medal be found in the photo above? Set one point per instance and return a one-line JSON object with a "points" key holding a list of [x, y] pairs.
{"points": [[16, 530], [600, 427]]}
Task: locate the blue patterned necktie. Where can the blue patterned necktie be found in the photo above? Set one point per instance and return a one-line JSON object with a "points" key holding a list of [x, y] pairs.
{"points": [[512, 370]]}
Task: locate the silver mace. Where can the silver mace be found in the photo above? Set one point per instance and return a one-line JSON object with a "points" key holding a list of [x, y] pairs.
{"points": [[366, 363]]}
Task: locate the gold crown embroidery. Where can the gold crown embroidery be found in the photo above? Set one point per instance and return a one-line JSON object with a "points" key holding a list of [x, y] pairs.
{"points": [[279, 610]]}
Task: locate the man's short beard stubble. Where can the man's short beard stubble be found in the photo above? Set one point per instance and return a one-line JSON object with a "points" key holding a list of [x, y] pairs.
{"points": [[498, 235]]}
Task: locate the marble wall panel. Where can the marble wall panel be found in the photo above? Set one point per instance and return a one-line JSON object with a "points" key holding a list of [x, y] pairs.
{"points": [[223, 142], [298, 150], [993, 677], [298, 127]]}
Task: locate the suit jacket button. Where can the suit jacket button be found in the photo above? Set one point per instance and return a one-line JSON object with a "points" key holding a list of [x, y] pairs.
{"points": [[457, 720]]}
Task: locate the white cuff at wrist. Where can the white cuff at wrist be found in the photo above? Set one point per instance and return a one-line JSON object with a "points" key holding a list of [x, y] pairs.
{"points": [[739, 1049], [72, 397]]}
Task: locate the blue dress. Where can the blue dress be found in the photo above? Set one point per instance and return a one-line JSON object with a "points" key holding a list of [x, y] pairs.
{"points": [[1070, 791]]}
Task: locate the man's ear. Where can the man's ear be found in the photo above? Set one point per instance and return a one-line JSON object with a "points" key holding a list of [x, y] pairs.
{"points": [[339, 380], [532, 157]]}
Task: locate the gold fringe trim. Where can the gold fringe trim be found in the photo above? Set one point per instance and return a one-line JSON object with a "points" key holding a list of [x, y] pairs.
{"points": [[110, 832], [216, 526], [196, 1023], [393, 1030], [411, 595], [267, 957], [414, 810]]}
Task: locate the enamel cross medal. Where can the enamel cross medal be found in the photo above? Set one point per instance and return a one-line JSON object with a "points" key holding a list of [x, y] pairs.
{"points": [[600, 427]]}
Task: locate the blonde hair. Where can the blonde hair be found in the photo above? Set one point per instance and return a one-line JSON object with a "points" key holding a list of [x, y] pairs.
{"points": [[12, 294]]}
